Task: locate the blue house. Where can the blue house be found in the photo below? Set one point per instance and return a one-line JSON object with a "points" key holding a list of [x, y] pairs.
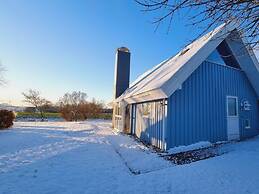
{"points": [[209, 91]]}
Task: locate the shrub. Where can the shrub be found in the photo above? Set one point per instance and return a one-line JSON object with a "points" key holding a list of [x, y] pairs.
{"points": [[74, 107], [68, 113], [6, 118], [87, 110]]}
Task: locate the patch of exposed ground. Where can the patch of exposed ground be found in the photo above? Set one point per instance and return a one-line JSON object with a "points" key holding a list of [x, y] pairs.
{"points": [[195, 155]]}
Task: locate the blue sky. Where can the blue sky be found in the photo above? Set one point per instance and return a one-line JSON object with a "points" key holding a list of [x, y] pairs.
{"points": [[62, 46]]}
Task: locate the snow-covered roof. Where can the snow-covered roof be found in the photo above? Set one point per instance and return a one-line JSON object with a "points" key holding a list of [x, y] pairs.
{"points": [[165, 78]]}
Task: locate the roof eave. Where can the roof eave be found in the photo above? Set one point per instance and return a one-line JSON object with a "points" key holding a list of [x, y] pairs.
{"points": [[151, 95]]}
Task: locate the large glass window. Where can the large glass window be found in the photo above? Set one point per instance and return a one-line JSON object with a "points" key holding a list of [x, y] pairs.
{"points": [[215, 57], [232, 106]]}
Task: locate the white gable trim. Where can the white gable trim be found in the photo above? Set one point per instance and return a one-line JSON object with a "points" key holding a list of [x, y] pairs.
{"points": [[249, 64], [195, 61]]}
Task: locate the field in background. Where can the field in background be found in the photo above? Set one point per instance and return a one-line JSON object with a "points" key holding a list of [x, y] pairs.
{"points": [[36, 115]]}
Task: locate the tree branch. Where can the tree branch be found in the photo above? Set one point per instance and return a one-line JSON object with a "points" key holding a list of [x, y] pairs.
{"points": [[210, 13]]}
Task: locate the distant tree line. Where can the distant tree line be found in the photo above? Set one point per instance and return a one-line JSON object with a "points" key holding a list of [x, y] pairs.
{"points": [[72, 106]]}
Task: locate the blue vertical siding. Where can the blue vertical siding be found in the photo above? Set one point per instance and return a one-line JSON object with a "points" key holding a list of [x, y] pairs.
{"points": [[197, 112]]}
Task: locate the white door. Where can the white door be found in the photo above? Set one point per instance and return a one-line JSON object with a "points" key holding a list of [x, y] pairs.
{"points": [[232, 118]]}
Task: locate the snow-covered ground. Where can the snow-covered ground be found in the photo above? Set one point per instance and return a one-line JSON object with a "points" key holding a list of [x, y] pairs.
{"points": [[88, 157]]}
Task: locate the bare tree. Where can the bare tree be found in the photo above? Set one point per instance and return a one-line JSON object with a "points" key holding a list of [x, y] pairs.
{"points": [[33, 97], [74, 106], [70, 105], [208, 14]]}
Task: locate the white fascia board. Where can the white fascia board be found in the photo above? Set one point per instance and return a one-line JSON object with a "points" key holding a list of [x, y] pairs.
{"points": [[253, 57], [194, 62]]}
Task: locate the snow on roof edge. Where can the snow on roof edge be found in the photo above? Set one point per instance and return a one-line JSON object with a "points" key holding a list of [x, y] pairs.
{"points": [[140, 87]]}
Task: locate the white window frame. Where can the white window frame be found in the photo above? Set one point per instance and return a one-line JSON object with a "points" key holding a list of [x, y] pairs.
{"points": [[237, 111], [249, 122]]}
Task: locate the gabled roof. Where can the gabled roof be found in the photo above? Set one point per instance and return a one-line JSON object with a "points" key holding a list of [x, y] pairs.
{"points": [[165, 78]]}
